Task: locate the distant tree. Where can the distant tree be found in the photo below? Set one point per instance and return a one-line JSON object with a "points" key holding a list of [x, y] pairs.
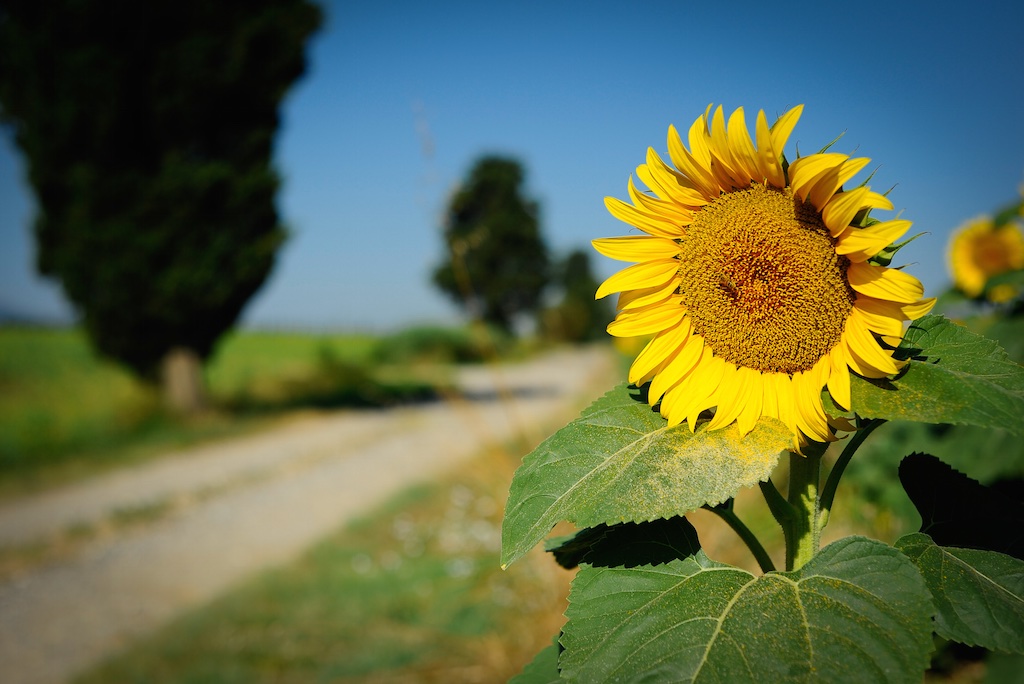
{"points": [[497, 265], [147, 129], [578, 317]]}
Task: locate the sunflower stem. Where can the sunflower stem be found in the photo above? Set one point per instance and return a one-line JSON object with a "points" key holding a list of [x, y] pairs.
{"points": [[802, 531], [727, 514], [828, 492], [777, 503]]}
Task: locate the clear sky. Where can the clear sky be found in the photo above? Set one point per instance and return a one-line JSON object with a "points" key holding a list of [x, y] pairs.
{"points": [[401, 97]]}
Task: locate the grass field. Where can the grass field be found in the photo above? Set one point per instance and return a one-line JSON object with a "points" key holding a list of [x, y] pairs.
{"points": [[65, 411]]}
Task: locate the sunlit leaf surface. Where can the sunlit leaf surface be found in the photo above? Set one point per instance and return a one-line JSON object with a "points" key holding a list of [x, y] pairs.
{"points": [[857, 612], [979, 595], [619, 462]]}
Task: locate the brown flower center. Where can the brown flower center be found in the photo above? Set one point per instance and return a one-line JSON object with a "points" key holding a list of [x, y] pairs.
{"points": [[762, 281]]}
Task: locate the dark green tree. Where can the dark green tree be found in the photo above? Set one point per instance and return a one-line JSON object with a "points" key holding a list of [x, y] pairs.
{"points": [[497, 266], [147, 128], [578, 317]]}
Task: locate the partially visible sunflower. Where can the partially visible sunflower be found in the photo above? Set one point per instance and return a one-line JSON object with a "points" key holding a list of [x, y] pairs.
{"points": [[979, 250], [754, 277]]}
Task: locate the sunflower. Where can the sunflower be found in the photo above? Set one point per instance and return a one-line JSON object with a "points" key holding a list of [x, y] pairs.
{"points": [[979, 250], [755, 278]]}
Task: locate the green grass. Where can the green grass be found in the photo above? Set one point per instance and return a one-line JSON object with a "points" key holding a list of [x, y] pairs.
{"points": [[55, 393], [412, 592], [245, 361], [65, 412]]}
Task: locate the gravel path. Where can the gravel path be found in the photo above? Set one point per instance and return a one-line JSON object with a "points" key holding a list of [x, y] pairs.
{"points": [[228, 510]]}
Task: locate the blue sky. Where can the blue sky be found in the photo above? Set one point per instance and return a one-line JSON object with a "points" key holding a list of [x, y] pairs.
{"points": [[401, 97]]}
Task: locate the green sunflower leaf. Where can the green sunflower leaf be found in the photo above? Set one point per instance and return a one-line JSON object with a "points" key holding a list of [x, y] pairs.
{"points": [[953, 376], [619, 462], [627, 544], [958, 511], [858, 611], [543, 669], [979, 595]]}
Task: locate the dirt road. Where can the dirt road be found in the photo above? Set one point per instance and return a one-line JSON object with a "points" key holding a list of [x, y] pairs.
{"points": [[207, 518]]}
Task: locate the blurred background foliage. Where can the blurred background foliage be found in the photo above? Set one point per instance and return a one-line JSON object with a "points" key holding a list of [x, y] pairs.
{"points": [[63, 407], [497, 263], [147, 129]]}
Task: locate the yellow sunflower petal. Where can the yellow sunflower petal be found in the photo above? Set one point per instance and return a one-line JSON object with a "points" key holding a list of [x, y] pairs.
{"points": [[653, 355], [880, 316], [743, 153], [722, 166], [699, 137], [636, 248], [694, 394], [679, 366], [769, 397], [918, 309], [862, 343], [895, 310], [830, 183], [769, 157], [658, 352], [697, 170], [752, 401], [884, 283], [782, 128], [650, 224], [670, 210], [647, 321], [805, 172], [840, 212], [646, 274], [810, 415], [669, 183], [860, 244], [640, 298], [729, 398], [839, 377], [781, 387], [864, 355]]}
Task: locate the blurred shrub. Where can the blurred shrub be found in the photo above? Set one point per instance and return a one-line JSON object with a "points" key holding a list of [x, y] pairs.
{"points": [[330, 382], [578, 317], [435, 344]]}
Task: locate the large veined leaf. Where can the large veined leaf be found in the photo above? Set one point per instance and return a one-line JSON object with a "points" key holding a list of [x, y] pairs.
{"points": [[954, 376], [627, 544], [979, 595], [619, 462], [857, 612], [958, 511]]}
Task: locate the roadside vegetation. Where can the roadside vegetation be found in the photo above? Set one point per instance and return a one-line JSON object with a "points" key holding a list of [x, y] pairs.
{"points": [[65, 411]]}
